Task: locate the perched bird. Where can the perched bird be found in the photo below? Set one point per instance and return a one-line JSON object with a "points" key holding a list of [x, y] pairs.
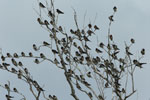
{"points": [[74, 44], [115, 9], [78, 86], [115, 47], [14, 62], [7, 87], [143, 51], [111, 37], [54, 51], [81, 50], [59, 12], [13, 70], [41, 5], [89, 74], [111, 18], [15, 55], [50, 13], [30, 54], [86, 38], [88, 59], [77, 53], [40, 22], [137, 63], [20, 63], [3, 58], [35, 47], [87, 47], [132, 40], [98, 59], [9, 55], [86, 83], [60, 29], [98, 51], [22, 54], [89, 32], [45, 43], [9, 97], [101, 45], [42, 55], [46, 22], [54, 97], [36, 61], [56, 61], [5, 65], [89, 25], [26, 70], [15, 90], [96, 28], [90, 94]]}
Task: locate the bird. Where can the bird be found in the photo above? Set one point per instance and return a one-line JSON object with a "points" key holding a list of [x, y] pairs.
{"points": [[137, 63], [111, 37], [9, 55], [3, 58], [111, 18], [42, 55], [7, 87], [101, 45], [15, 90], [89, 32], [60, 29], [78, 86], [54, 51], [86, 38], [87, 47], [36, 61], [89, 74], [77, 53], [15, 55], [45, 43], [96, 28], [41, 5], [30, 54], [22, 54], [9, 97], [98, 51], [13, 70], [81, 50], [14, 62], [143, 51], [89, 25], [50, 13], [132, 41], [35, 47], [115, 9], [90, 94], [20, 63], [40, 22], [59, 12], [46, 22]]}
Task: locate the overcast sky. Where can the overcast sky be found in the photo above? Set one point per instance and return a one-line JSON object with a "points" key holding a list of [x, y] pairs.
{"points": [[19, 30]]}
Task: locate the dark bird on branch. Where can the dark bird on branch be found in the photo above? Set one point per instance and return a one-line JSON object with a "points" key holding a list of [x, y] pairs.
{"points": [[41, 5], [59, 12]]}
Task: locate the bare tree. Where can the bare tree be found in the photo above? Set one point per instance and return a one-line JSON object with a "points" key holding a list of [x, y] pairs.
{"points": [[90, 69]]}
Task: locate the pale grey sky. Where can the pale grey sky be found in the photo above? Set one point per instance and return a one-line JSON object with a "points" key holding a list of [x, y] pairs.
{"points": [[19, 30]]}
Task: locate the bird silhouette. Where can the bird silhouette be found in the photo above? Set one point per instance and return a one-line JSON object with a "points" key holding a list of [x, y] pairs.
{"points": [[41, 5], [59, 12]]}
